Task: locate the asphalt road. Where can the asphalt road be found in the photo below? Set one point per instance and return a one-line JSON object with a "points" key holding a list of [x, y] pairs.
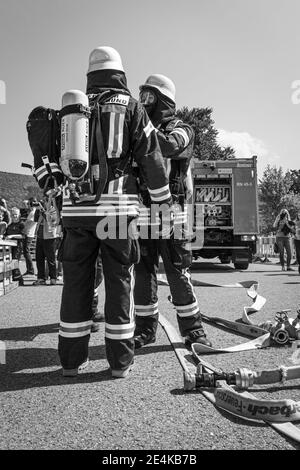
{"points": [[149, 410]]}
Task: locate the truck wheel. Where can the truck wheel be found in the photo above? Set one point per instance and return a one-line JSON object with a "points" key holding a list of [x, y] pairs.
{"points": [[225, 259], [241, 265]]}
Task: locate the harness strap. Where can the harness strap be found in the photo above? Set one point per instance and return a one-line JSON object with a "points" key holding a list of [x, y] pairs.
{"points": [[47, 164], [52, 147], [75, 108], [103, 169]]}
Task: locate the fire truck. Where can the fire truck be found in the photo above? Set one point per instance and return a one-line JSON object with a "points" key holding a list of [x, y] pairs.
{"points": [[225, 209]]}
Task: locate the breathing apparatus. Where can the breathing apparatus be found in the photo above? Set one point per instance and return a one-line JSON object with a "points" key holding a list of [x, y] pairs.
{"points": [[77, 146], [74, 155]]}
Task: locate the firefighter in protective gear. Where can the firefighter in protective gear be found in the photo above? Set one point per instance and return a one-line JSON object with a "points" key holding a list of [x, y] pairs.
{"points": [[127, 141], [176, 142]]}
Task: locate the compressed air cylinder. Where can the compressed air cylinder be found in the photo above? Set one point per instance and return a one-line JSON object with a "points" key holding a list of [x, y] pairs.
{"points": [[74, 158]]}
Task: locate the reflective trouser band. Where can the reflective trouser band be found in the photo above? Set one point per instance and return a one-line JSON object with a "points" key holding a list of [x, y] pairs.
{"points": [[75, 330], [160, 194], [123, 331], [146, 310], [187, 310]]}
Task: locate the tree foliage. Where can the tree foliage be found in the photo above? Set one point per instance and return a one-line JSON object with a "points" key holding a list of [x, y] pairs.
{"points": [[275, 194], [294, 176], [206, 146], [33, 191]]}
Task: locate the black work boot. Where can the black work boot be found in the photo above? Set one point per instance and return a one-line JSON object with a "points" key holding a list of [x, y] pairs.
{"points": [[145, 330], [143, 338], [197, 336]]}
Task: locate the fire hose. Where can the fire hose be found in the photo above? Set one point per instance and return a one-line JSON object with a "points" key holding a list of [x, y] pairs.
{"points": [[278, 414], [243, 378]]}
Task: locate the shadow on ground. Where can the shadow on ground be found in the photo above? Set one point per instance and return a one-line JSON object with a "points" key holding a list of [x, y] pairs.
{"points": [[211, 267], [27, 333], [18, 372]]}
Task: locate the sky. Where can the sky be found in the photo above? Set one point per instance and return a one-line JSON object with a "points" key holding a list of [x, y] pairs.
{"points": [[238, 57]]}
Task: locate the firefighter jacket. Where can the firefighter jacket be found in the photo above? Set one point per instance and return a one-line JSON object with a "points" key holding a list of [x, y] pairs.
{"points": [[176, 140], [130, 142]]}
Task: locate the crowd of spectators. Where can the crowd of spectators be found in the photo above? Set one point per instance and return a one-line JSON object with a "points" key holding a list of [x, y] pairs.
{"points": [[30, 227]]}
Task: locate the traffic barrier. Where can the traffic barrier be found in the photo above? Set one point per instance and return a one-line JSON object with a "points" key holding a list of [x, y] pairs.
{"points": [[265, 247], [7, 264], [32, 248]]}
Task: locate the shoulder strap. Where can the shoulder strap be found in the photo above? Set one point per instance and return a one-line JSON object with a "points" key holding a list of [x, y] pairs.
{"points": [[103, 169], [96, 135]]}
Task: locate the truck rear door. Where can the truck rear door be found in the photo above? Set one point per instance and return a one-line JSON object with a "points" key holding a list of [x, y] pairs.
{"points": [[245, 213]]}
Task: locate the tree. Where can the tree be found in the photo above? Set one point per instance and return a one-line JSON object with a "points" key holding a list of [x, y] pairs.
{"points": [[33, 191], [206, 147], [274, 195], [295, 181]]}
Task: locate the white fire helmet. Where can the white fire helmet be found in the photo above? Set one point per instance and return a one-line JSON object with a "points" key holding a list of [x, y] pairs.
{"points": [[163, 84], [105, 57]]}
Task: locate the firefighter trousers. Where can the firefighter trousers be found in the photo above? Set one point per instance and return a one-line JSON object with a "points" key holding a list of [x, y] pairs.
{"points": [[176, 259], [78, 253]]}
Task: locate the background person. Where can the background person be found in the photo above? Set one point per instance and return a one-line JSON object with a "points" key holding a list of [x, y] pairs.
{"points": [[4, 209], [3, 224], [297, 239], [30, 226], [284, 228], [45, 247]]}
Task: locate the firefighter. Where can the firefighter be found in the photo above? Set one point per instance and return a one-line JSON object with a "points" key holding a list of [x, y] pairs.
{"points": [[176, 142], [129, 142]]}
